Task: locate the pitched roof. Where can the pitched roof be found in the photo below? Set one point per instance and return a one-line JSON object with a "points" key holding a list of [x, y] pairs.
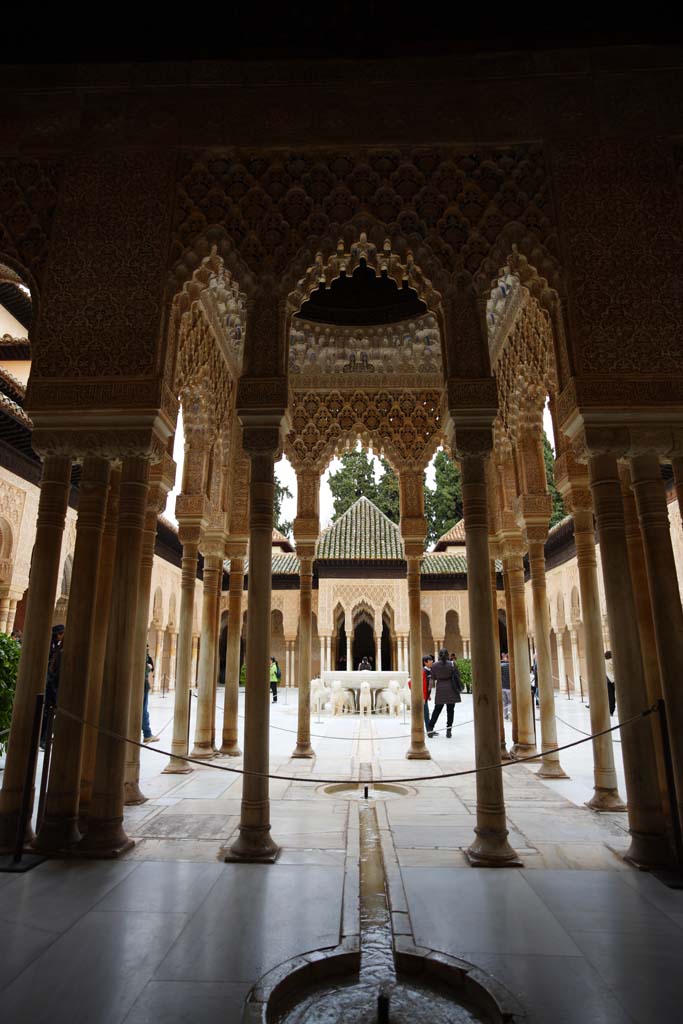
{"points": [[282, 542], [456, 535], [447, 564], [362, 533]]}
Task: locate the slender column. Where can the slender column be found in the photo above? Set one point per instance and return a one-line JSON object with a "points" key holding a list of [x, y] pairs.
{"points": [[349, 649], [576, 661], [162, 475], [194, 675], [328, 654], [230, 745], [4, 614], [490, 847], [54, 493], [649, 844], [550, 764], [378, 653], [606, 795], [216, 655], [303, 736], [106, 836], [323, 641], [288, 664], [665, 600], [466, 646], [189, 537], [255, 842], [646, 628], [511, 654], [525, 744], [561, 670], [203, 740], [99, 646], [418, 747], [60, 823], [158, 657], [12, 613], [496, 654], [172, 660]]}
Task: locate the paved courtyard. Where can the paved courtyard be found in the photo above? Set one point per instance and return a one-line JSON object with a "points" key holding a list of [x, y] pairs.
{"points": [[172, 934]]}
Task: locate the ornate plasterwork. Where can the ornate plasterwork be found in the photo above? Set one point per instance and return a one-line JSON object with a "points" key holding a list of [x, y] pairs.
{"points": [[524, 366], [28, 196], [408, 352], [404, 425], [334, 594], [502, 308]]}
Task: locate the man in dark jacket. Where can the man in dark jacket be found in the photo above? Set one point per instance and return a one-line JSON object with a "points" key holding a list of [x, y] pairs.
{"points": [[52, 681]]}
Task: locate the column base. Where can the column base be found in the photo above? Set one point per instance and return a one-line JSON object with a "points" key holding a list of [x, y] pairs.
{"points": [[551, 770], [9, 823], [230, 749], [303, 750], [177, 767], [133, 795], [57, 835], [606, 800], [648, 851], [491, 849], [505, 755], [204, 752], [418, 752], [106, 840], [523, 750], [255, 845]]}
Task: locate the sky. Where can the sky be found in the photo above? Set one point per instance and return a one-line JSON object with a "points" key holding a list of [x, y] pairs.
{"points": [[286, 475]]}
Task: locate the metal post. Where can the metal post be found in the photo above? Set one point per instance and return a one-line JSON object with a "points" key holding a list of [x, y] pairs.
{"points": [[581, 688]]}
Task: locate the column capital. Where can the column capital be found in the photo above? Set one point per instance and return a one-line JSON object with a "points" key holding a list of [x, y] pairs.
{"points": [[473, 442]]}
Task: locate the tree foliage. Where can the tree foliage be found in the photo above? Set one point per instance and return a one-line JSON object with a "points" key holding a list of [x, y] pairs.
{"points": [[356, 479], [549, 458], [282, 491], [443, 505]]}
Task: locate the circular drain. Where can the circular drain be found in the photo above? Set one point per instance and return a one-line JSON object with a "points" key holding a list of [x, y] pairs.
{"points": [[376, 790]]}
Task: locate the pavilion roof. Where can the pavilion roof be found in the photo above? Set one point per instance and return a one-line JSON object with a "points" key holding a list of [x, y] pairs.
{"points": [[362, 533], [456, 535]]}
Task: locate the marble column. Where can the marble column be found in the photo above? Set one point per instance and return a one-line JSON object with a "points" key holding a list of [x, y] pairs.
{"points": [[230, 743], [490, 847], [194, 674], [11, 615], [99, 646], [59, 829], [349, 650], [561, 670], [158, 657], [328, 654], [203, 738], [525, 745], [418, 747], [511, 656], [189, 538], [606, 794], [106, 836], [576, 660], [649, 843], [677, 465], [496, 654], [4, 614], [162, 476], [35, 649], [665, 600], [378, 653], [550, 763], [172, 660], [216, 657], [303, 735], [323, 642], [255, 842]]}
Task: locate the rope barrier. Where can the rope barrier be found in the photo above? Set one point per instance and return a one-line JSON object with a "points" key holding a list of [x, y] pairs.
{"points": [[576, 728], [398, 781]]}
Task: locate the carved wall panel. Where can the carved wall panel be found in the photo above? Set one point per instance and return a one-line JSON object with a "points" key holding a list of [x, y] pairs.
{"points": [[28, 196]]}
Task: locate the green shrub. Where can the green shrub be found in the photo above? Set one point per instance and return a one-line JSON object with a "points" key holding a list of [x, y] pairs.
{"points": [[243, 674], [9, 663], [465, 670]]}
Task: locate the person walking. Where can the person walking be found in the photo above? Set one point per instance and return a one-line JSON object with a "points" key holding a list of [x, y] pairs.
{"points": [[275, 676], [427, 663], [446, 678], [147, 736], [505, 683], [54, 665]]}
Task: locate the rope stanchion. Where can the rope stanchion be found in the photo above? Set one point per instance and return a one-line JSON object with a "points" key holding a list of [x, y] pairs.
{"points": [[414, 778]]}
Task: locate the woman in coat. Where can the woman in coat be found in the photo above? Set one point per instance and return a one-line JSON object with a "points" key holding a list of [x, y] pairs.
{"points": [[447, 686]]}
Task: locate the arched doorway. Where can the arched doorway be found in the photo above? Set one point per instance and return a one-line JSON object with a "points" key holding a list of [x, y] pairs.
{"points": [[363, 643]]}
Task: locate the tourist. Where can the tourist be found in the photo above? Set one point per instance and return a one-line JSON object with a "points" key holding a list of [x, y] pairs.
{"points": [[275, 676], [445, 675], [427, 663], [365, 665], [611, 690], [534, 681], [505, 683], [147, 736], [52, 682]]}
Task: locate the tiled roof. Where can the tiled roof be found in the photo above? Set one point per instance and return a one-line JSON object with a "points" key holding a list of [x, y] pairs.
{"points": [[285, 565], [442, 564], [362, 533], [456, 535]]}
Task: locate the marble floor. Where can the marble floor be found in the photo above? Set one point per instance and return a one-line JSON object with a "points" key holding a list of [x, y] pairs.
{"points": [[170, 933]]}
